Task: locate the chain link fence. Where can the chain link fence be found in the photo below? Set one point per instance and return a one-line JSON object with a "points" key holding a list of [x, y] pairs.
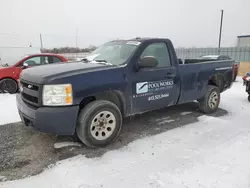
{"points": [[240, 54]]}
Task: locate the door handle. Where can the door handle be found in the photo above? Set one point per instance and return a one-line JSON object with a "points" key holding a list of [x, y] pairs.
{"points": [[169, 75]]}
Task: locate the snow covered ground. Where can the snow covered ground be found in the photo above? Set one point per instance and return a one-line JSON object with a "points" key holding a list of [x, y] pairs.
{"points": [[8, 110], [214, 152]]}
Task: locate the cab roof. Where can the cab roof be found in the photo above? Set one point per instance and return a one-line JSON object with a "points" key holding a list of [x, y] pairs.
{"points": [[139, 39]]}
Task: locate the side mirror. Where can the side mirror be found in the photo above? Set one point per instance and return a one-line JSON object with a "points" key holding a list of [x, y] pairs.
{"points": [[147, 62], [25, 65]]}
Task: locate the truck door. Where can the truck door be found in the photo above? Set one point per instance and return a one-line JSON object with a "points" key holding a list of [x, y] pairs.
{"points": [[154, 88]]}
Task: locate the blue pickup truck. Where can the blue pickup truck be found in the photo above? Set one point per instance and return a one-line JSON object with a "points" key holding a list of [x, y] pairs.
{"points": [[120, 78]]}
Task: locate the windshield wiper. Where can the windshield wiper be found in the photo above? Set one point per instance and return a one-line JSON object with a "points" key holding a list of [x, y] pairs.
{"points": [[85, 60], [102, 61]]}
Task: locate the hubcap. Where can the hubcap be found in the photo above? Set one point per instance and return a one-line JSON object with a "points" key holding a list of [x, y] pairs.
{"points": [[213, 99], [103, 125]]}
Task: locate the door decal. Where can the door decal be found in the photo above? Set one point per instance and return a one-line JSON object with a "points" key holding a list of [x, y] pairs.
{"points": [[150, 88]]}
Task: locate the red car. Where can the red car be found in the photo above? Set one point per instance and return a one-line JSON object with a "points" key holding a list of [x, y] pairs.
{"points": [[9, 73]]}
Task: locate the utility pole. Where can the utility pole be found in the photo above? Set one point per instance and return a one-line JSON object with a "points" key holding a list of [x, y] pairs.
{"points": [[221, 21], [76, 37], [41, 41]]}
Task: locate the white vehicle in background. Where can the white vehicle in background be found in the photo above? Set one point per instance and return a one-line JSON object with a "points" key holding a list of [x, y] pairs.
{"points": [[11, 54]]}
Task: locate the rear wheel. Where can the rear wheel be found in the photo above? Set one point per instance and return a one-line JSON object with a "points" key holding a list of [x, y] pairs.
{"points": [[99, 123], [8, 85], [248, 98], [210, 102]]}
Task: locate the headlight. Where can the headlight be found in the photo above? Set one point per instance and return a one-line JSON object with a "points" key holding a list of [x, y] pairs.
{"points": [[57, 95]]}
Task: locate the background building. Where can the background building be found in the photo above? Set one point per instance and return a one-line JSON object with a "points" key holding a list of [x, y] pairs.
{"points": [[243, 41]]}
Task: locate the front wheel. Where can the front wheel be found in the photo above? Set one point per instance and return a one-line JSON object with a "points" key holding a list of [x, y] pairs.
{"points": [[248, 98], [99, 123], [8, 85], [210, 102]]}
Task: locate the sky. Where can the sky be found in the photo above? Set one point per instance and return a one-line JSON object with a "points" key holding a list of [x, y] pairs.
{"points": [[188, 23]]}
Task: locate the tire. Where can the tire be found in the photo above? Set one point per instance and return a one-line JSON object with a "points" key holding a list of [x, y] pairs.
{"points": [[96, 134], [8, 85], [248, 98], [210, 102]]}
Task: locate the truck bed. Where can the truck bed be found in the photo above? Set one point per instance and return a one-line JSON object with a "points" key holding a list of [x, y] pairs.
{"points": [[191, 61], [194, 77]]}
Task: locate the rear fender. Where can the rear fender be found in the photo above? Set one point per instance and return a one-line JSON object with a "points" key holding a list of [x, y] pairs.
{"points": [[218, 81]]}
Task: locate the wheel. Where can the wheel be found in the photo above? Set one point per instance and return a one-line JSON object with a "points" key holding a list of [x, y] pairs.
{"points": [[99, 123], [8, 85], [248, 98], [210, 102]]}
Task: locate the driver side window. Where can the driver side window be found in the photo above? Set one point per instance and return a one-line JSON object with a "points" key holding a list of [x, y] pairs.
{"points": [[159, 51]]}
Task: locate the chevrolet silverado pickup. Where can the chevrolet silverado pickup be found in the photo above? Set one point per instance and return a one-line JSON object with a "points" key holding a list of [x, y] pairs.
{"points": [[120, 78]]}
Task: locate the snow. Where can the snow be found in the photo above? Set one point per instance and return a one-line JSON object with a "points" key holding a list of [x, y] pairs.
{"points": [[162, 119], [8, 109], [213, 152], [3, 178], [165, 121], [185, 113], [59, 145]]}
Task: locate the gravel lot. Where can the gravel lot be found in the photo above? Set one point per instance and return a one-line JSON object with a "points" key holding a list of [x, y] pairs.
{"points": [[26, 152]]}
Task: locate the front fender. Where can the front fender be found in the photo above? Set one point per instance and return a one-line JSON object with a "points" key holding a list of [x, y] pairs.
{"points": [[119, 89]]}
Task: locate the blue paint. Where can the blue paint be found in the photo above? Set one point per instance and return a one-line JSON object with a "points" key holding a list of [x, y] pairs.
{"points": [[140, 90]]}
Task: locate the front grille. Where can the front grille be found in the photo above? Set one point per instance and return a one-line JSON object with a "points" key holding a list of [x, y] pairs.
{"points": [[30, 92], [34, 87], [30, 98]]}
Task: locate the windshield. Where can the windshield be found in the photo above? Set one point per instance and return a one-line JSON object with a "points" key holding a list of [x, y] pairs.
{"points": [[115, 53]]}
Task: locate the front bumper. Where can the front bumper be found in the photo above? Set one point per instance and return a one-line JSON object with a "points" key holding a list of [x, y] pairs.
{"points": [[57, 120]]}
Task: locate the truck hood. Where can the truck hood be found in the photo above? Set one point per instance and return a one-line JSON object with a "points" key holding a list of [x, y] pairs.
{"points": [[47, 73]]}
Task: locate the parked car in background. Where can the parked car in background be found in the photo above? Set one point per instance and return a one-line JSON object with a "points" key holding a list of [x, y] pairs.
{"points": [[214, 58], [10, 71], [13, 54]]}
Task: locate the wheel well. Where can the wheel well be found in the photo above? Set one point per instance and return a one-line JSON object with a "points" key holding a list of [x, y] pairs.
{"points": [[8, 78], [112, 96], [218, 81]]}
